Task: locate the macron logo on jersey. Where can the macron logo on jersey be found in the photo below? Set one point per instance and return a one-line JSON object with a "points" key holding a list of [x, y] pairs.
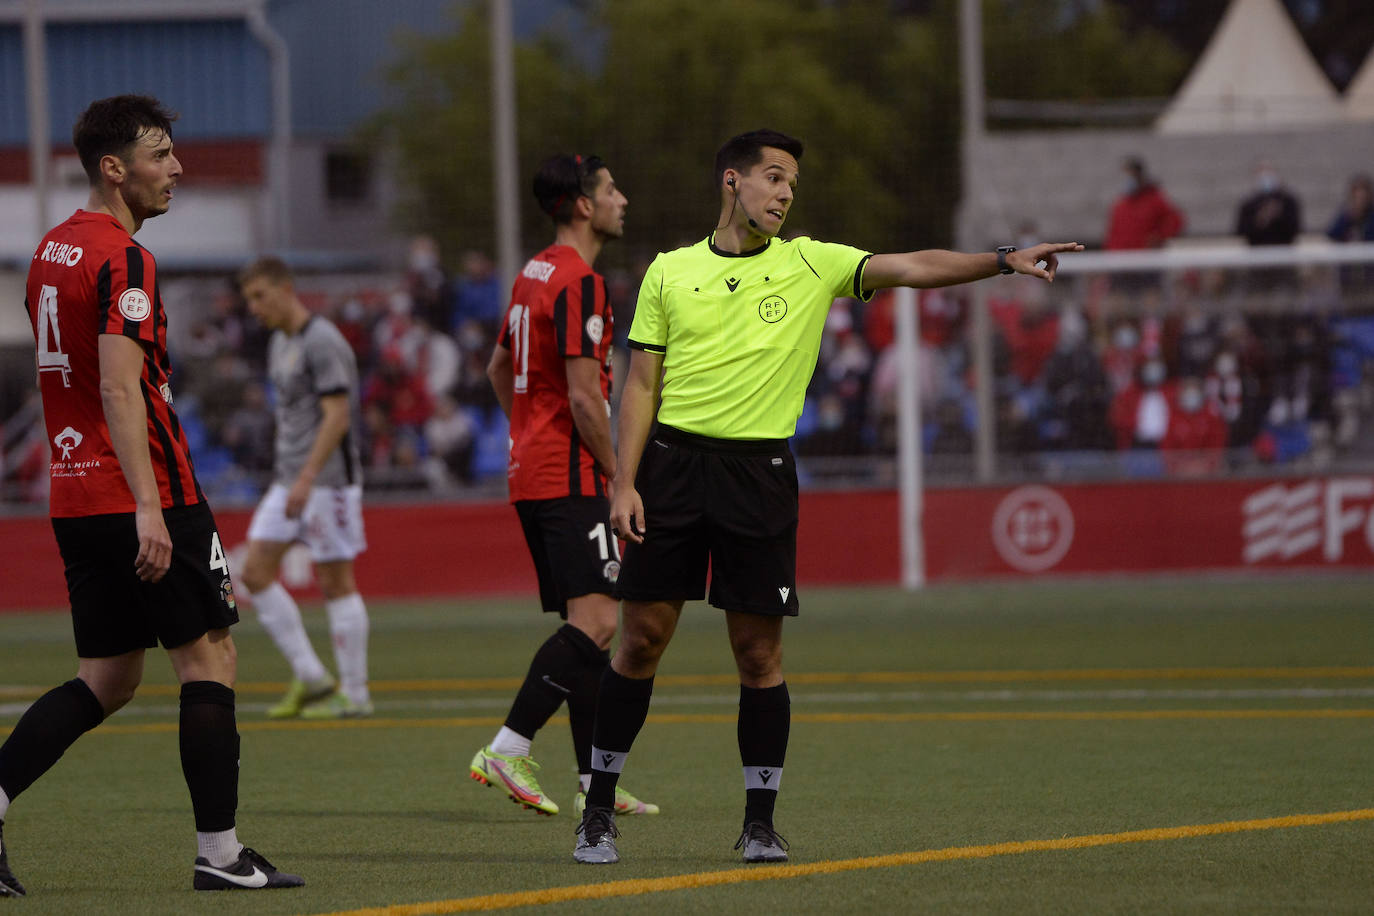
{"points": [[538, 270], [67, 255]]}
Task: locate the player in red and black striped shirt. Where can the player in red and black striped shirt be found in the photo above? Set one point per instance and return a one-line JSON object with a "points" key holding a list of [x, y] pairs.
{"points": [[551, 370], [143, 558]]}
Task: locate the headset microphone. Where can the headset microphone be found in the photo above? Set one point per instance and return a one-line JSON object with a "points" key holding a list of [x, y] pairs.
{"points": [[752, 223]]}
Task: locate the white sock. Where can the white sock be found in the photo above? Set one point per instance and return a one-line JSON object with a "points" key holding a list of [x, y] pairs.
{"points": [[220, 849], [348, 625], [4, 804], [281, 618], [512, 744]]}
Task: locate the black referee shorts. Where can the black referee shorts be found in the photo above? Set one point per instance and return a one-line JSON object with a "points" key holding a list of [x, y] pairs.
{"points": [[114, 612], [573, 549], [723, 503]]}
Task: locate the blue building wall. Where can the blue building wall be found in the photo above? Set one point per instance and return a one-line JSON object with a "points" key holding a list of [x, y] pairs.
{"points": [[215, 73], [14, 122]]}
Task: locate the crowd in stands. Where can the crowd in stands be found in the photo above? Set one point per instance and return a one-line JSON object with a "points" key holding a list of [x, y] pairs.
{"points": [[1190, 373], [1170, 378]]}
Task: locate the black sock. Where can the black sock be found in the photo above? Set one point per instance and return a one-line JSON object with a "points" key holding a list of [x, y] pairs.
{"points": [[582, 706], [210, 753], [45, 731], [552, 678], [765, 718], [622, 707]]}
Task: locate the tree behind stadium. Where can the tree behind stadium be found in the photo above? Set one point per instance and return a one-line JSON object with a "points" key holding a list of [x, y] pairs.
{"points": [[654, 86]]}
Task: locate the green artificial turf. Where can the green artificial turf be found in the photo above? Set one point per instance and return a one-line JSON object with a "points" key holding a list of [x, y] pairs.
{"points": [[980, 717]]}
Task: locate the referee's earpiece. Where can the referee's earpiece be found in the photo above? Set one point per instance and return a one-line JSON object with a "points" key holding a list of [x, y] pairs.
{"points": [[731, 183]]}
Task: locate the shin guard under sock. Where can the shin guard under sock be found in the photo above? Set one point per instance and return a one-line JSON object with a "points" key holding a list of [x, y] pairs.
{"points": [[45, 731], [210, 753], [622, 707], [765, 719]]}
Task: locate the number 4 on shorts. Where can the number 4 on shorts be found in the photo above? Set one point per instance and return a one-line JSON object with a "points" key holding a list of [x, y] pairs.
{"points": [[218, 560]]}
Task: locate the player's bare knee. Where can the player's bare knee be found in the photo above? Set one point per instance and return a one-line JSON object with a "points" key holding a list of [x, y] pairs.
{"points": [[212, 657], [255, 577], [260, 567], [759, 666], [335, 580], [598, 616]]}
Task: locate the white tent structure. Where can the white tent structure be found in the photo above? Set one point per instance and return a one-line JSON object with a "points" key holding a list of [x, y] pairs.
{"points": [[1359, 95], [1255, 74]]}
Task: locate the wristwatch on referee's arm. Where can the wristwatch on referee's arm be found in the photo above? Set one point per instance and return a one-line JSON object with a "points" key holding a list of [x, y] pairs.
{"points": [[1002, 252]]}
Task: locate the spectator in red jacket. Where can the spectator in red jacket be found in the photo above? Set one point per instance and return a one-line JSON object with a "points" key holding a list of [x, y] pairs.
{"points": [[1196, 435], [1142, 216]]}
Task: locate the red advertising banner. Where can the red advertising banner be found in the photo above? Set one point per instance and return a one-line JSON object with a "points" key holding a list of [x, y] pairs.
{"points": [[1150, 527], [455, 549], [851, 537]]}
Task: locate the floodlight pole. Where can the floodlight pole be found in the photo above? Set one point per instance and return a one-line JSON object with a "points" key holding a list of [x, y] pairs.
{"points": [[975, 129], [504, 148], [40, 129]]}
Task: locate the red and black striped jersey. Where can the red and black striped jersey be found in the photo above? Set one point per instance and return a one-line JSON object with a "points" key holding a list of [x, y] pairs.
{"points": [[558, 310], [89, 277]]}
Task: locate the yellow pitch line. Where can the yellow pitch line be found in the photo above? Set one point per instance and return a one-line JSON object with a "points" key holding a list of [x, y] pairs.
{"points": [[463, 685], [838, 718], [635, 887]]}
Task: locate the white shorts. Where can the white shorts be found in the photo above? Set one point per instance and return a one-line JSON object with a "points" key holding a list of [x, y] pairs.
{"points": [[331, 526]]}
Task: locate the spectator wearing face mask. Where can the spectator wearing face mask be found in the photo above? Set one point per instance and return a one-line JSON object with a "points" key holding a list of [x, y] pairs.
{"points": [[1196, 434], [1271, 215], [1139, 414], [1142, 217], [1122, 357]]}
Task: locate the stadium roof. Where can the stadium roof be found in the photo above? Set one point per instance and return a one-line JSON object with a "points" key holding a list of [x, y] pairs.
{"points": [[1359, 95], [1255, 74]]}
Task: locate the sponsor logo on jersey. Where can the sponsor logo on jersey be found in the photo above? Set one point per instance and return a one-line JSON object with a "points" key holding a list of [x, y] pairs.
{"points": [[596, 326], [226, 593], [783, 592], [611, 571], [166, 391], [538, 270], [732, 284], [64, 254], [67, 440], [134, 304], [773, 309]]}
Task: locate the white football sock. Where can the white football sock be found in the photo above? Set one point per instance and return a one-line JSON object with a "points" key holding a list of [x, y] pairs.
{"points": [[348, 625], [512, 744], [4, 804], [281, 618], [221, 849]]}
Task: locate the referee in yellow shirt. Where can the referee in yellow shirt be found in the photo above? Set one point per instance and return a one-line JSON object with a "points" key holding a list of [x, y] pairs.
{"points": [[731, 326]]}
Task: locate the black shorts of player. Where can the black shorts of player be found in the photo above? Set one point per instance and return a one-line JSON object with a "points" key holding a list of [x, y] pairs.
{"points": [[573, 549], [114, 612], [730, 504]]}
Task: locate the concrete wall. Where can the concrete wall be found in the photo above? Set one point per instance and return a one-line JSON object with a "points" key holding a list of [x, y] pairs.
{"points": [[1066, 181]]}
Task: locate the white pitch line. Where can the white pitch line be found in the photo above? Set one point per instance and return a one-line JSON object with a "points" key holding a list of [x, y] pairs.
{"points": [[800, 700]]}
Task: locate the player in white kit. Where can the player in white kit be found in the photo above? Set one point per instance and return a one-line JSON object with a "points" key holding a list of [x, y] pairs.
{"points": [[315, 497]]}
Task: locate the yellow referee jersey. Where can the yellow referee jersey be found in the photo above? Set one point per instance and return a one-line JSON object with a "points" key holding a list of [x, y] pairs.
{"points": [[740, 333]]}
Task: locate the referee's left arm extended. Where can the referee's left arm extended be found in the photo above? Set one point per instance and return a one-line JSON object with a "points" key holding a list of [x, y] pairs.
{"points": [[935, 267]]}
